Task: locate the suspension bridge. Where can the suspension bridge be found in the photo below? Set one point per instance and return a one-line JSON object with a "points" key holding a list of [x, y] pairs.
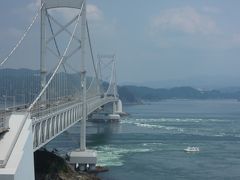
{"points": [[70, 85]]}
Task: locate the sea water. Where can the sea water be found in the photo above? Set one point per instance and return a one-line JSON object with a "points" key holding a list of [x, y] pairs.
{"points": [[150, 142]]}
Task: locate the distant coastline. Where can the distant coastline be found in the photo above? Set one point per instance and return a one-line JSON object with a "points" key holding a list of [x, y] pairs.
{"points": [[129, 94], [138, 95]]}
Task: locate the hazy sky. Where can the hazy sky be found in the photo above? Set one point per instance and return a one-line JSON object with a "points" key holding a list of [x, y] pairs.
{"points": [[154, 40]]}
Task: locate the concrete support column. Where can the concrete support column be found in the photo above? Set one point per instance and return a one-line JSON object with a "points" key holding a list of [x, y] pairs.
{"points": [[43, 71], [114, 107], [83, 80]]}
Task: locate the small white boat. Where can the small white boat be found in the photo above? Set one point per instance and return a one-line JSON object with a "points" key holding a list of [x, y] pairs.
{"points": [[192, 149]]}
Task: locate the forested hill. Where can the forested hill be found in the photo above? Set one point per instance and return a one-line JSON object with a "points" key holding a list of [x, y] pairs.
{"points": [[131, 94], [18, 82]]}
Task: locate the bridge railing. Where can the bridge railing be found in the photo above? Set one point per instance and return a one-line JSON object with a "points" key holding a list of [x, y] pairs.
{"points": [[45, 109], [4, 122]]}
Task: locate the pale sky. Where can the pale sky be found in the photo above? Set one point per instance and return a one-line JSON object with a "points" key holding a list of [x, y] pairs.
{"points": [[154, 40]]}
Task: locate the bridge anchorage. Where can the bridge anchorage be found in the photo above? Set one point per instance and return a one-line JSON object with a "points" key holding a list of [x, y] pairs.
{"points": [[47, 102]]}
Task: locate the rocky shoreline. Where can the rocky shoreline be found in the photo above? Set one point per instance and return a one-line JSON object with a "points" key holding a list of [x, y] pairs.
{"points": [[49, 166]]}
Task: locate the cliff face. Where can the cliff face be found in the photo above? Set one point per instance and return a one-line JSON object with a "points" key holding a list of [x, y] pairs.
{"points": [[49, 166]]}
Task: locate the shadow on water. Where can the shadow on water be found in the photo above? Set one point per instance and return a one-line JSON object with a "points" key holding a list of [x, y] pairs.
{"points": [[97, 134], [102, 132]]}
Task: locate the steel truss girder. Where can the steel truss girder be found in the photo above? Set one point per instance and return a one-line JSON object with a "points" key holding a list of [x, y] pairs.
{"points": [[50, 125]]}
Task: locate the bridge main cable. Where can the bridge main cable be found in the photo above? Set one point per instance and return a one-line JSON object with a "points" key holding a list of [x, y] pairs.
{"points": [[23, 36], [91, 50]]}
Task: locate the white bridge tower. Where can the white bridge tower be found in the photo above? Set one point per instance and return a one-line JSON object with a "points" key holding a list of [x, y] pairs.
{"points": [[82, 157]]}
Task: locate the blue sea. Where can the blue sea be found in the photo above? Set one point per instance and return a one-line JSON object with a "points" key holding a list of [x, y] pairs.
{"points": [[150, 142]]}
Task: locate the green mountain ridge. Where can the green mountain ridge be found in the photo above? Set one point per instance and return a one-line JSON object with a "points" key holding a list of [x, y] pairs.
{"points": [[18, 83], [138, 94]]}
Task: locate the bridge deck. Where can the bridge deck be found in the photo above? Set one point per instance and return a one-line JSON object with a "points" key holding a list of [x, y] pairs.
{"points": [[8, 140]]}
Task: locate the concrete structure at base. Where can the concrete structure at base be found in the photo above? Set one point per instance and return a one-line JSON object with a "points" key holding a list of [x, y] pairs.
{"points": [[108, 113], [16, 147], [83, 160], [118, 109]]}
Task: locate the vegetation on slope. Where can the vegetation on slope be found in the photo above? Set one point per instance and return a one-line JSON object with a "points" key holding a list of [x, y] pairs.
{"points": [[49, 166]]}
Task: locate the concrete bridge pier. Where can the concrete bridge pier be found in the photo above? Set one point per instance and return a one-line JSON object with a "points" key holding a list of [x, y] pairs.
{"points": [[119, 108], [83, 160], [110, 112]]}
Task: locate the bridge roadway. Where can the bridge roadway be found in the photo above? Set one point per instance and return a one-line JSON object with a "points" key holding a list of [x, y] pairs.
{"points": [[49, 123]]}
